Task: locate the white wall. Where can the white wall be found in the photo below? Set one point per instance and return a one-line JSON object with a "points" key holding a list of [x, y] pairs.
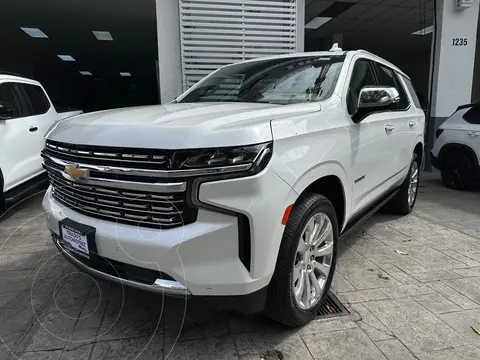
{"points": [[169, 59], [453, 70]]}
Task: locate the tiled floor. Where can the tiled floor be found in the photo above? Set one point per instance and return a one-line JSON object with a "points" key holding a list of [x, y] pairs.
{"points": [[412, 285]]}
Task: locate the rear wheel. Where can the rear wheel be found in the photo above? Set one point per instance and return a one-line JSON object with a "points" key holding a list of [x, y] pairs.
{"points": [[306, 262], [404, 201], [457, 170]]}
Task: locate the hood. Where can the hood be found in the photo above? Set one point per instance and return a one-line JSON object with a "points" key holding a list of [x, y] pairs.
{"points": [[176, 126]]}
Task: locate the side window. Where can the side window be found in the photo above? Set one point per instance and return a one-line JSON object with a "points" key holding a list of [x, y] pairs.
{"points": [[39, 103], [412, 92], [9, 104], [362, 75], [472, 116], [387, 77]]}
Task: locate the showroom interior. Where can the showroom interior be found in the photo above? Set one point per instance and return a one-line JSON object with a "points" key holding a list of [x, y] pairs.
{"points": [[138, 62]]}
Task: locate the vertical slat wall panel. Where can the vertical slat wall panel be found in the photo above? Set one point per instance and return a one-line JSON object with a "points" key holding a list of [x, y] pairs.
{"points": [[221, 32]]}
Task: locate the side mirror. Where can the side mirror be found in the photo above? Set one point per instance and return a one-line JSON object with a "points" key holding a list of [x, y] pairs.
{"points": [[7, 110], [375, 98]]}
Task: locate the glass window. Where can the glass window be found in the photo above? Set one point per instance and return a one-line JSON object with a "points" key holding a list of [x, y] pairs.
{"points": [[473, 115], [388, 77], [38, 101], [412, 92], [9, 105], [362, 75], [278, 81]]}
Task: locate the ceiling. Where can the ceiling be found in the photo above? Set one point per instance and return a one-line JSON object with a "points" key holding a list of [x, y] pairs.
{"points": [[377, 25], [372, 23]]}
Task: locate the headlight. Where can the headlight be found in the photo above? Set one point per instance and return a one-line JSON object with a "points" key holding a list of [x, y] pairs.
{"points": [[254, 158]]}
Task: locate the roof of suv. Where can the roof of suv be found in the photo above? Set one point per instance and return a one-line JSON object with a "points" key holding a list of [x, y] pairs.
{"points": [[10, 77]]}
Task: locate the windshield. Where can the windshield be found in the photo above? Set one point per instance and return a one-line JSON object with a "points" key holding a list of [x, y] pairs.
{"points": [[277, 81]]}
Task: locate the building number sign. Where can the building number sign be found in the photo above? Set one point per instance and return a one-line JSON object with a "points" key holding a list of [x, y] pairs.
{"points": [[459, 41]]}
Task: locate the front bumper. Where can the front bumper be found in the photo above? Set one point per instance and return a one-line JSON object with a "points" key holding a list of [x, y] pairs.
{"points": [[200, 259]]}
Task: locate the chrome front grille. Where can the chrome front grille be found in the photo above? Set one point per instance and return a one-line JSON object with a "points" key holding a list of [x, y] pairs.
{"points": [[147, 201]]}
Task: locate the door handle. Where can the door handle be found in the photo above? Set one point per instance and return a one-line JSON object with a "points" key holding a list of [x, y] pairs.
{"points": [[33, 128], [389, 128], [412, 123], [474, 133]]}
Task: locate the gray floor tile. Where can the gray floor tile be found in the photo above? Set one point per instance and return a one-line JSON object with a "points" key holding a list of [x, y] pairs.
{"points": [[320, 326], [396, 292], [207, 349], [359, 296], [459, 353], [352, 344], [394, 350], [453, 295], [437, 303], [463, 321], [364, 274], [470, 287], [144, 348], [40, 355], [371, 325], [414, 326], [436, 275]]}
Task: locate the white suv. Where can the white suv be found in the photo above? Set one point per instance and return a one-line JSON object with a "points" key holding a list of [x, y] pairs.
{"points": [[26, 113], [456, 152], [239, 191]]}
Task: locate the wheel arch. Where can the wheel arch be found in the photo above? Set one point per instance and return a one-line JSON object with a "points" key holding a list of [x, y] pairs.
{"points": [[447, 148], [327, 179]]}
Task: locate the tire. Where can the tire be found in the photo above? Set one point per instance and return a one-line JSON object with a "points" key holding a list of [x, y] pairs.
{"points": [[457, 170], [281, 304], [401, 204]]}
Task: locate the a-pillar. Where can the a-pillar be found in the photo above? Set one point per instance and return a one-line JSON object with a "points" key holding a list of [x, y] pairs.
{"points": [[453, 58]]}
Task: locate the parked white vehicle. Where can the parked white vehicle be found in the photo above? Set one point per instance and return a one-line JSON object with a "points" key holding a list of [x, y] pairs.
{"points": [[456, 151], [26, 113], [239, 191]]}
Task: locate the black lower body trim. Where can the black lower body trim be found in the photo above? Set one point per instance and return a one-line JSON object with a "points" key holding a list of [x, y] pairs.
{"points": [[246, 304], [359, 219]]}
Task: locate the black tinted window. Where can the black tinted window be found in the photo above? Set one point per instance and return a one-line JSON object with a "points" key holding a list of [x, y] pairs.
{"points": [[412, 92], [473, 115], [362, 75], [388, 77], [9, 105], [278, 81], [38, 101]]}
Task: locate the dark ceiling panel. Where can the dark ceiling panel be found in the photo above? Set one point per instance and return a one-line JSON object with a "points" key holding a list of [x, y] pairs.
{"points": [[356, 10], [337, 8], [315, 8], [374, 11]]}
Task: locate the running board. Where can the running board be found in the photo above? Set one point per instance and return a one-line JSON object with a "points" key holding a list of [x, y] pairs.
{"points": [[27, 188], [368, 213]]}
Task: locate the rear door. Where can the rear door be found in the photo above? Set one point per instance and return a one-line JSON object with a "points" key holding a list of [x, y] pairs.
{"points": [[400, 120], [40, 115]]}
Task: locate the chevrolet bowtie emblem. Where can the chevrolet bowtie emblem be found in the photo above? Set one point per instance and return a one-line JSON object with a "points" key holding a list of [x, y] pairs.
{"points": [[76, 172]]}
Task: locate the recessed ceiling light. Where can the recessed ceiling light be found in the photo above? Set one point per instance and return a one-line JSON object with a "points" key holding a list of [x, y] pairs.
{"points": [[125, 74], [86, 73], [315, 23], [35, 32], [103, 35], [427, 30], [66, 57]]}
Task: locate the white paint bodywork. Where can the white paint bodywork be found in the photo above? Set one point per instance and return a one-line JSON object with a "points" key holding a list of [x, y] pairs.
{"points": [[20, 149], [310, 141], [457, 131]]}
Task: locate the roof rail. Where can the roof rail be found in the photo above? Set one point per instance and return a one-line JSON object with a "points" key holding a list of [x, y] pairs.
{"points": [[366, 52]]}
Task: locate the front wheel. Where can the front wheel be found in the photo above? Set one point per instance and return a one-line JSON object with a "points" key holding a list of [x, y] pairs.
{"points": [[306, 262], [457, 171]]}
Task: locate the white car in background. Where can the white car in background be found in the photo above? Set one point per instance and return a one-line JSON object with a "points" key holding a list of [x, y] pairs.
{"points": [[456, 151], [26, 113], [238, 192]]}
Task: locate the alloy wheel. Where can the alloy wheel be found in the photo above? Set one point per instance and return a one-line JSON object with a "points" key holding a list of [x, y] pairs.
{"points": [[313, 261], [413, 185]]}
